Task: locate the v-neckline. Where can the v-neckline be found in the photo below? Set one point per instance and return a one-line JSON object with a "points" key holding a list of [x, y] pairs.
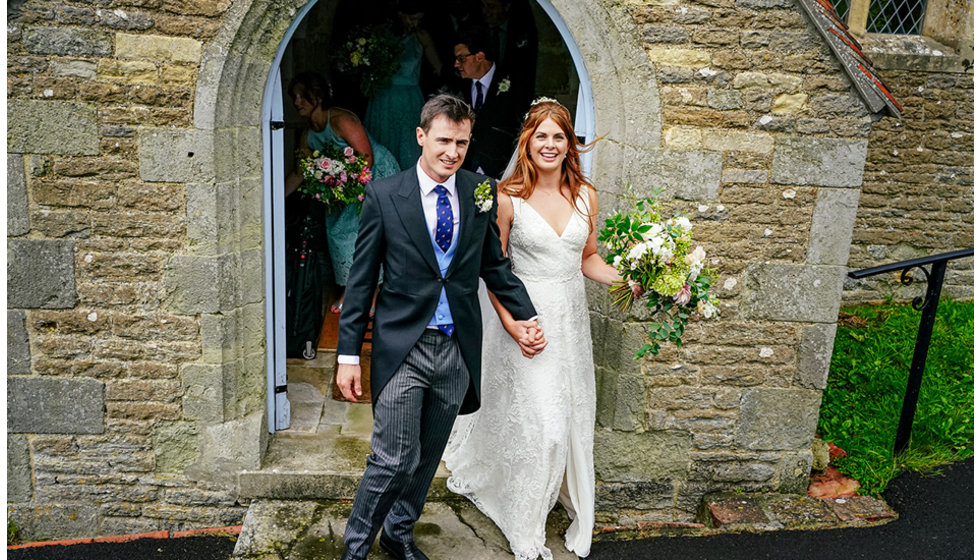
{"points": [[568, 222]]}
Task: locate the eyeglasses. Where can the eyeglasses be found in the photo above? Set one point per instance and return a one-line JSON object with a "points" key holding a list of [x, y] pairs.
{"points": [[461, 58]]}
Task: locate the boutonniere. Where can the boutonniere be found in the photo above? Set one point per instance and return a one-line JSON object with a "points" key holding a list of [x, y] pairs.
{"points": [[503, 86], [482, 196]]}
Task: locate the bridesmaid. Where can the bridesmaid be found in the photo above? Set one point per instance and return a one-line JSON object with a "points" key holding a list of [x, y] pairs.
{"points": [[392, 113], [340, 127]]}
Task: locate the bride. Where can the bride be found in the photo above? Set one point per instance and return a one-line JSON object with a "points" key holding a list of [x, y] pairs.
{"points": [[530, 444]]}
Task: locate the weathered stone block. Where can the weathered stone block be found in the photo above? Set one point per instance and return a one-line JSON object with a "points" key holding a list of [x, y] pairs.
{"points": [[158, 47], [777, 419], [176, 445], [676, 56], [74, 68], [18, 344], [234, 445], [789, 103], [632, 457], [199, 284], [825, 162], [794, 472], [19, 485], [179, 156], [55, 406], [18, 220], [630, 400], [683, 138], [665, 34], [787, 292], [52, 127], [651, 494], [40, 274], [54, 521], [748, 176], [688, 175], [67, 41], [204, 391], [725, 99], [815, 352], [737, 141], [831, 227]]}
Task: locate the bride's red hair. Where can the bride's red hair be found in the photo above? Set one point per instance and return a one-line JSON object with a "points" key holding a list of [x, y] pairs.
{"points": [[521, 181]]}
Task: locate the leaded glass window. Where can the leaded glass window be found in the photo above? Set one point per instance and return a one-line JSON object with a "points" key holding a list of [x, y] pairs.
{"points": [[903, 17]]}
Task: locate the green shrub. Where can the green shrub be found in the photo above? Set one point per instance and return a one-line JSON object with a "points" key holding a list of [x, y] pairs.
{"points": [[866, 386]]}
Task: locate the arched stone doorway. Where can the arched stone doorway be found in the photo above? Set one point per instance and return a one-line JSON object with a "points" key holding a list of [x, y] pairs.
{"points": [[231, 232]]}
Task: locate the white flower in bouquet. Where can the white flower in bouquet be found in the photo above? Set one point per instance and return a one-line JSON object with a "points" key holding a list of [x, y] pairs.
{"points": [[640, 249], [654, 231], [682, 221], [707, 309], [695, 259]]}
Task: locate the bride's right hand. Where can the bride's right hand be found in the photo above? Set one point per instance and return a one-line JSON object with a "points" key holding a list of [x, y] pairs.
{"points": [[529, 337]]}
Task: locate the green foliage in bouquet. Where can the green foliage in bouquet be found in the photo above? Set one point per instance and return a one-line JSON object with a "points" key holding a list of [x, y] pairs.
{"points": [[371, 55], [656, 254]]}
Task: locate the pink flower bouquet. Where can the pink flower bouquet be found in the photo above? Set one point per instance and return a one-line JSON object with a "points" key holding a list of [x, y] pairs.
{"points": [[335, 177]]}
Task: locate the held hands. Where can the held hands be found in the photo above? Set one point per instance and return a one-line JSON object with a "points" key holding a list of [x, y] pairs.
{"points": [[349, 381], [529, 337]]}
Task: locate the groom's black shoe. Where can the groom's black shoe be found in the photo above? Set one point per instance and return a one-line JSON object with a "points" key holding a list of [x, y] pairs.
{"points": [[346, 555], [400, 550]]}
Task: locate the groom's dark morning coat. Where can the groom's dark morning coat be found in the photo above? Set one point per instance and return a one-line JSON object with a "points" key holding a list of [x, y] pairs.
{"points": [[393, 233]]}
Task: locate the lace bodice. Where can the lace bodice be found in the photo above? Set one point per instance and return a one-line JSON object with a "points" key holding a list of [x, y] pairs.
{"points": [[538, 252]]}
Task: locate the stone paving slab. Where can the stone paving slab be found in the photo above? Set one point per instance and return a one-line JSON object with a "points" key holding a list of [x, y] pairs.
{"points": [[760, 512], [311, 530]]}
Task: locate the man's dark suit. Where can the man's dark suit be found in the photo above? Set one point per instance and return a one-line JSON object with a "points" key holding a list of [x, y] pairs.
{"points": [[498, 123], [394, 233]]}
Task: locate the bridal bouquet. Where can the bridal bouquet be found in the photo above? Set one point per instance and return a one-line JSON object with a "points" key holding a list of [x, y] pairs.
{"points": [[335, 177], [371, 55], [657, 254]]}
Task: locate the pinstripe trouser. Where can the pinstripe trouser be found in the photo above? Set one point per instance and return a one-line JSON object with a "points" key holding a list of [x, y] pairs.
{"points": [[413, 417]]}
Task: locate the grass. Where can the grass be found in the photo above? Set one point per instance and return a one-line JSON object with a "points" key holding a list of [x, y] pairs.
{"points": [[866, 386]]}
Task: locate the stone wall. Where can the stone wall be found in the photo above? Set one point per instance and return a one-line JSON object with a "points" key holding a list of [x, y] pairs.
{"points": [[103, 413], [917, 197], [764, 144]]}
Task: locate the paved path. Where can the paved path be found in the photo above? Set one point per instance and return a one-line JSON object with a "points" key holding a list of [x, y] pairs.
{"points": [[936, 523]]}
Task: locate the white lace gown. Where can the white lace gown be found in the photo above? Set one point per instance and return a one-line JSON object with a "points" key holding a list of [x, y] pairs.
{"points": [[530, 444]]}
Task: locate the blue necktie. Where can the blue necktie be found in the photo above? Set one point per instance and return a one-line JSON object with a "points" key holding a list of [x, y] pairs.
{"points": [[479, 96], [444, 219], [444, 233]]}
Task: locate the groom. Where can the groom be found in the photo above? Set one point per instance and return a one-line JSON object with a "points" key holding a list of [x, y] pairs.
{"points": [[426, 227]]}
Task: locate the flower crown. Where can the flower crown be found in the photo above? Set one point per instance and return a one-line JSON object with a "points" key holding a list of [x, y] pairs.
{"points": [[537, 101]]}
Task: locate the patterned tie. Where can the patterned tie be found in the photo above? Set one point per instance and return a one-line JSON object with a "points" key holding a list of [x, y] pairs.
{"points": [[444, 219], [444, 234], [479, 96]]}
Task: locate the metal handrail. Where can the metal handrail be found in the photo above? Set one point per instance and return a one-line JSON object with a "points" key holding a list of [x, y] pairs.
{"points": [[927, 305]]}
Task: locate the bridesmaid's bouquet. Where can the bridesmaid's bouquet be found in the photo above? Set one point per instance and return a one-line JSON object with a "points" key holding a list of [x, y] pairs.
{"points": [[371, 55], [657, 254], [335, 177]]}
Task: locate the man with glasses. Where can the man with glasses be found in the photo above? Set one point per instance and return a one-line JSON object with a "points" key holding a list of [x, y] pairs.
{"points": [[496, 100]]}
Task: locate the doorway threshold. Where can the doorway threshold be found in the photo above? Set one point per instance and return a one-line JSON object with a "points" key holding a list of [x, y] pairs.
{"points": [[323, 453]]}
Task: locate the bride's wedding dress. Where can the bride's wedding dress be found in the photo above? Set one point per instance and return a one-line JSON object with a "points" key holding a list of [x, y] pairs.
{"points": [[530, 444]]}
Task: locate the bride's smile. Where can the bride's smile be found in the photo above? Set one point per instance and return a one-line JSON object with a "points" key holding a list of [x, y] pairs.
{"points": [[548, 146]]}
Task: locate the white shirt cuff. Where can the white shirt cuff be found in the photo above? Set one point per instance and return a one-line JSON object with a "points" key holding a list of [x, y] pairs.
{"points": [[349, 360]]}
